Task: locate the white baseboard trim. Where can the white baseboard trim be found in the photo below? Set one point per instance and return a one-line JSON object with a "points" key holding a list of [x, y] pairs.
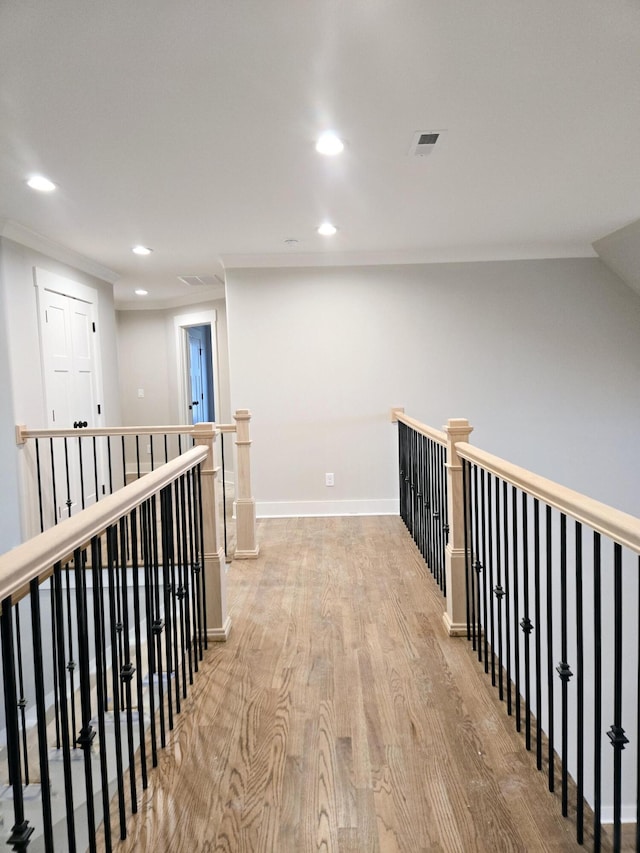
{"points": [[220, 635], [296, 509]]}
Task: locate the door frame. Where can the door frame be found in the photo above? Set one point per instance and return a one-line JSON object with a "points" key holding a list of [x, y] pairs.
{"points": [[181, 324]]}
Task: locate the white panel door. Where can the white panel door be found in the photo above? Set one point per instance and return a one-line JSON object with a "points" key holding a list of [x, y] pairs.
{"points": [[70, 390]]}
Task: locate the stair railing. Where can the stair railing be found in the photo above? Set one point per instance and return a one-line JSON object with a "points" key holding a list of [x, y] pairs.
{"points": [[545, 584], [104, 621]]}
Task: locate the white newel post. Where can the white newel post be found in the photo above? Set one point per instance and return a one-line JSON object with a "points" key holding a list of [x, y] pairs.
{"points": [[455, 617], [246, 545], [215, 570]]}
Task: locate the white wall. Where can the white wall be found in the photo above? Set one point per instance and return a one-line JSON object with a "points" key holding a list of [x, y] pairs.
{"points": [[543, 357], [148, 360], [21, 375]]}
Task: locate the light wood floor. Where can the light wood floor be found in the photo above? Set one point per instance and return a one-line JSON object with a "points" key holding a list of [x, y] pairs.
{"points": [[340, 717]]}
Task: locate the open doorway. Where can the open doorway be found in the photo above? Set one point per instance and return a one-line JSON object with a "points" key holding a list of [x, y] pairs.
{"points": [[198, 388], [202, 404]]}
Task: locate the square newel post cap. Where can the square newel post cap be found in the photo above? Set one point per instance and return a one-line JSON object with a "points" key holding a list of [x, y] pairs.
{"points": [[204, 430], [458, 428]]}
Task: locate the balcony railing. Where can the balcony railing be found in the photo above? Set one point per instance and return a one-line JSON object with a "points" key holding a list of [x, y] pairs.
{"points": [[106, 613], [545, 584], [67, 470]]}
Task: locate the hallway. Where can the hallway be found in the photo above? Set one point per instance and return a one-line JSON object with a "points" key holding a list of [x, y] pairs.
{"points": [[340, 717]]}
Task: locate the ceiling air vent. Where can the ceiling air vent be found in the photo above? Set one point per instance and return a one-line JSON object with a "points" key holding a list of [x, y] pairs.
{"points": [[423, 143], [198, 280]]}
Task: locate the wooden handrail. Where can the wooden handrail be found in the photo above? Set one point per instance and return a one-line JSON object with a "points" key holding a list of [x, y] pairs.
{"points": [[606, 520], [22, 433], [36, 557], [434, 434]]}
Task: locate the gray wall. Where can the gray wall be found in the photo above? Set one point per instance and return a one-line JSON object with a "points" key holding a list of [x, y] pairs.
{"points": [[148, 359], [21, 381], [543, 357]]}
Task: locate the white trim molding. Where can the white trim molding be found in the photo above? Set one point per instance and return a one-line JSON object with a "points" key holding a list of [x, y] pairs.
{"points": [[295, 509]]}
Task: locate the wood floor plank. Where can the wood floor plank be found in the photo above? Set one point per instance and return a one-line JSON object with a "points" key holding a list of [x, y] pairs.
{"points": [[340, 717]]}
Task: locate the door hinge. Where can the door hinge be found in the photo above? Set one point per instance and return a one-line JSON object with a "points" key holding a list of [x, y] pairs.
{"points": [[99, 409], [93, 326]]}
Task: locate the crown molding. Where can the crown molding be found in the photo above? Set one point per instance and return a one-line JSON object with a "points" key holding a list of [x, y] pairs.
{"points": [[39, 243], [400, 257]]}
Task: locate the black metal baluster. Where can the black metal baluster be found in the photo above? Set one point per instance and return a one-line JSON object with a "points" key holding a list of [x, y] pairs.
{"points": [[537, 636], [21, 831], [507, 591], [468, 571], [526, 624], [135, 573], [492, 642], [516, 603], [64, 715], [87, 734], [39, 476], [166, 448], [579, 688], [109, 465], [171, 600], [616, 732], [597, 695], [138, 456], [22, 701], [550, 679], [564, 670], [81, 466], [153, 468], [445, 509], [188, 570], [95, 467], [203, 575], [41, 713], [124, 462], [418, 475], [181, 530], [166, 522], [147, 556], [158, 622], [54, 646], [112, 560], [498, 590], [477, 564], [483, 528], [127, 669], [53, 482], [71, 664], [66, 468], [101, 683]]}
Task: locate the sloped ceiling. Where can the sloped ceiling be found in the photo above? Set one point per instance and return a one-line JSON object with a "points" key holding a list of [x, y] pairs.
{"points": [[620, 251], [189, 127]]}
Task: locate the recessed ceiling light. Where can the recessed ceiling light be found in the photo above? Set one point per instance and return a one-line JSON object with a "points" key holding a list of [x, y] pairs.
{"points": [[291, 242], [327, 229], [40, 183], [141, 250], [141, 292], [329, 143]]}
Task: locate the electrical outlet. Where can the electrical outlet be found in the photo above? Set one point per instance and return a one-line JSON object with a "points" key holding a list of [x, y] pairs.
{"points": [[328, 479], [140, 393]]}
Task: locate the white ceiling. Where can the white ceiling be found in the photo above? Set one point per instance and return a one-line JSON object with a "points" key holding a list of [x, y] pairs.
{"points": [[189, 127]]}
